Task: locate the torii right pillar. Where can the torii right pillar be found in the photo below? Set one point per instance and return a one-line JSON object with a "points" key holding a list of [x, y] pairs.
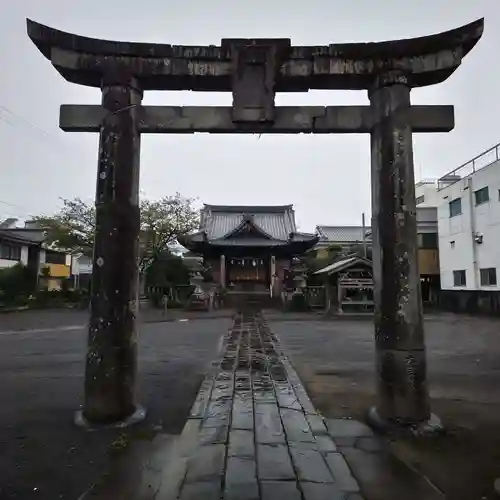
{"points": [[403, 398], [399, 333]]}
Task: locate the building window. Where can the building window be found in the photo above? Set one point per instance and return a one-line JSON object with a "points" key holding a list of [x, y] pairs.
{"points": [[455, 207], [482, 195], [427, 240], [52, 257], [452, 244], [488, 276], [459, 278], [10, 252], [420, 199]]}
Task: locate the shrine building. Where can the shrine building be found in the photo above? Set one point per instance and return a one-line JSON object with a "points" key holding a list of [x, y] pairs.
{"points": [[248, 248]]}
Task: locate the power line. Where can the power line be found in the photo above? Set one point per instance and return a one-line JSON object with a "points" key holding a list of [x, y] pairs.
{"points": [[6, 120], [11, 118], [22, 120], [11, 204], [19, 212], [14, 120]]}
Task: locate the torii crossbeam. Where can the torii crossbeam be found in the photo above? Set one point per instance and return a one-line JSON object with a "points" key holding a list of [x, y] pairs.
{"points": [[287, 120], [254, 70]]}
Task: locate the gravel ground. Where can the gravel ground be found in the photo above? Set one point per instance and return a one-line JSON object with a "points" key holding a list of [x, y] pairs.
{"points": [[43, 455]]}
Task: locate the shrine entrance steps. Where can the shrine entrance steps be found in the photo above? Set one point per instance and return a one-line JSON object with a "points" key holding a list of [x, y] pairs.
{"points": [[253, 434], [252, 300]]}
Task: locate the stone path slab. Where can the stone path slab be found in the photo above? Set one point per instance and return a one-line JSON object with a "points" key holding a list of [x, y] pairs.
{"points": [[253, 432]]}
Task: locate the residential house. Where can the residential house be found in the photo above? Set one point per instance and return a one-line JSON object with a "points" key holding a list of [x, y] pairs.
{"points": [[19, 247], [26, 245]]}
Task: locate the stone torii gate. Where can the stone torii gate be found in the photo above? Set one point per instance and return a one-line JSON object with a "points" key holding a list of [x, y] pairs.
{"points": [[254, 70]]}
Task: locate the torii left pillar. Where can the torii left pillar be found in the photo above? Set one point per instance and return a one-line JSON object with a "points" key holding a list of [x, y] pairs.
{"points": [[112, 348]]}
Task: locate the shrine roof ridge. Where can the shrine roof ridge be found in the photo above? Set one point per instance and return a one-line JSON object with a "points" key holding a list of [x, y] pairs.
{"points": [[46, 38], [248, 208]]}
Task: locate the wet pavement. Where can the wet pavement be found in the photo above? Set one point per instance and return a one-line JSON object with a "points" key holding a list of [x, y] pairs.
{"points": [[43, 455], [258, 429], [252, 434]]}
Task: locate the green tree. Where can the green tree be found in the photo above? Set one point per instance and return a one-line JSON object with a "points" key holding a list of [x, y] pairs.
{"points": [[161, 222], [359, 250], [315, 263], [167, 270], [73, 227]]}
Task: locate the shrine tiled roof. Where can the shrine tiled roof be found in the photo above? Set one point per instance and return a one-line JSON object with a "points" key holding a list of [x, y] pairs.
{"points": [[248, 225], [340, 265], [218, 221], [342, 234]]}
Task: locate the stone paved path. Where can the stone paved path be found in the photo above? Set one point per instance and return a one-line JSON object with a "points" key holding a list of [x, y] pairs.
{"points": [[253, 432]]}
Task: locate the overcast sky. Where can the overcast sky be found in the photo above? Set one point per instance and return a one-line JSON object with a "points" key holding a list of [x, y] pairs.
{"points": [[325, 177]]}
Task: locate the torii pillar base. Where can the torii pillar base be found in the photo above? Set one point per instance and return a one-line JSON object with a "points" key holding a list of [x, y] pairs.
{"points": [[137, 417], [427, 428]]}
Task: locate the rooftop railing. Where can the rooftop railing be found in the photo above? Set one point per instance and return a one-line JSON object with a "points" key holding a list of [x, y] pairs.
{"points": [[485, 159]]}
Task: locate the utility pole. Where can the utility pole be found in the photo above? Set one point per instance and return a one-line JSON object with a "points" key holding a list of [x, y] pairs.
{"points": [[365, 250]]}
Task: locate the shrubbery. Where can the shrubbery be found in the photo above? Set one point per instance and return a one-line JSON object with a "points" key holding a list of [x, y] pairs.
{"points": [[298, 303], [17, 284], [18, 288]]}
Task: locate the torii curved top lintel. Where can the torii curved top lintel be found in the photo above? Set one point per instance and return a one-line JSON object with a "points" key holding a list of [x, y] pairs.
{"points": [[429, 59]]}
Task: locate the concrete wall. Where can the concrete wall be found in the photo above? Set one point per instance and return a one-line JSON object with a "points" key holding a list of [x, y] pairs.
{"points": [[470, 301], [24, 255], [4, 263], [426, 194], [427, 219], [457, 248]]}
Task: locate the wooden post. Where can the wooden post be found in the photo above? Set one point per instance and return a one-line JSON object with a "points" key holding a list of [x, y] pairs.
{"points": [[223, 271], [273, 273], [328, 299]]}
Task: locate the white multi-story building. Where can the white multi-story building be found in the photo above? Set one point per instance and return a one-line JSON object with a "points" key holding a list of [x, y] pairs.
{"points": [[426, 194], [469, 225]]}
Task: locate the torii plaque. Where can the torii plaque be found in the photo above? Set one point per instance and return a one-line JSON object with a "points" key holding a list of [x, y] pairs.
{"points": [[254, 70]]}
